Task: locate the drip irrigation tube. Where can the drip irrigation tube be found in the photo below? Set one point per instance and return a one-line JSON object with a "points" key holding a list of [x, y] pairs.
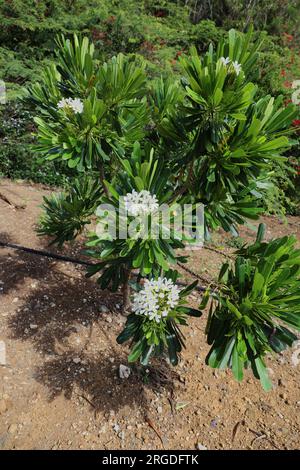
{"points": [[45, 253], [68, 259]]}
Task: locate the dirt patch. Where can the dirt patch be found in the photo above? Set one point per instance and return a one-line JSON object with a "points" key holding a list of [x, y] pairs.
{"points": [[60, 388]]}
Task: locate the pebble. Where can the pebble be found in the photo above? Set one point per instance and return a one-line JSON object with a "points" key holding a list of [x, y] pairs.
{"points": [[201, 447], [76, 360], [104, 309], [33, 326], [12, 428], [116, 428], [2, 353], [3, 406], [124, 371], [159, 409]]}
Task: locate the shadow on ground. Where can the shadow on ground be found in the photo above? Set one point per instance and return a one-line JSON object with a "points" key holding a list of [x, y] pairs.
{"points": [[56, 306], [96, 380]]}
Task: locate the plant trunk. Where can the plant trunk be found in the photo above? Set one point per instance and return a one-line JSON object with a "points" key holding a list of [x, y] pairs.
{"points": [[126, 293], [102, 178]]}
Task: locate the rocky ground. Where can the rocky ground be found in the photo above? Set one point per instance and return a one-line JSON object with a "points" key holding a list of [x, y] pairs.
{"points": [[61, 388]]}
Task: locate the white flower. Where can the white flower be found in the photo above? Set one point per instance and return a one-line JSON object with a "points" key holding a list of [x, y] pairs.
{"points": [[225, 60], [156, 299], [237, 67], [75, 104], [142, 203]]}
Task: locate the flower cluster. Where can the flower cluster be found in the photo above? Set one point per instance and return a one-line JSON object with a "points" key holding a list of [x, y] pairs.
{"points": [[156, 299], [140, 204], [225, 60], [236, 66], [74, 105]]}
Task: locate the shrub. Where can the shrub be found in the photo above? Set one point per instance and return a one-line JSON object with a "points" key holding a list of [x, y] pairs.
{"points": [[258, 298], [136, 146]]}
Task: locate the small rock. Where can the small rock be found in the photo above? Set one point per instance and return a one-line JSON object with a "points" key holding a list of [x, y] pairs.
{"points": [[104, 309], [12, 428], [15, 300], [159, 409], [108, 319], [2, 353], [124, 371], [33, 326], [116, 428], [201, 447], [3, 406], [76, 360], [283, 396]]}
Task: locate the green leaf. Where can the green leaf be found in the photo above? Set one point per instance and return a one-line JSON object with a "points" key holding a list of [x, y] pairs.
{"points": [[137, 350], [237, 365], [263, 375]]}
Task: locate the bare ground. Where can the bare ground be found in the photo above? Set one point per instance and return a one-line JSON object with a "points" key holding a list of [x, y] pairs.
{"points": [[60, 388]]}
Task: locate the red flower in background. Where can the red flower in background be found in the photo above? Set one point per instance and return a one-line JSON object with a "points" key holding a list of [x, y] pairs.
{"points": [[288, 37], [178, 54], [110, 19], [161, 14], [296, 123], [282, 73]]}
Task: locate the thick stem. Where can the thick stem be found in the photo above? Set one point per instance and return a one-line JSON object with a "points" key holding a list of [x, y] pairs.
{"points": [[126, 293], [187, 184], [102, 178]]}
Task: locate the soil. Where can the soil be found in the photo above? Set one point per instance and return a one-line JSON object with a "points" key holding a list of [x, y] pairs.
{"points": [[60, 387]]}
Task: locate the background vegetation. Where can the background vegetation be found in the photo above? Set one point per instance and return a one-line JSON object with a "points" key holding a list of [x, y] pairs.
{"points": [[157, 32]]}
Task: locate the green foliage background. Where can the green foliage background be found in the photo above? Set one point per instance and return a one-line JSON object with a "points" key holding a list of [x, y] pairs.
{"points": [[158, 32]]}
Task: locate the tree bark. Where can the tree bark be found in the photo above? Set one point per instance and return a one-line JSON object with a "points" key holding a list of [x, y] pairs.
{"points": [[126, 293], [102, 178]]}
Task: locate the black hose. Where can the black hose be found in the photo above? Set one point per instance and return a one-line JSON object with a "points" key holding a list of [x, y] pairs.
{"points": [[45, 253], [68, 259]]}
